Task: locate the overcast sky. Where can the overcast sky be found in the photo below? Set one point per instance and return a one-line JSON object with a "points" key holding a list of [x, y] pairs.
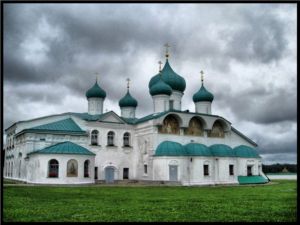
{"points": [[247, 53]]}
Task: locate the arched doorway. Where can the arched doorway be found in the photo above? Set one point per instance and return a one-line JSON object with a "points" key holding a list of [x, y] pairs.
{"points": [[109, 174]]}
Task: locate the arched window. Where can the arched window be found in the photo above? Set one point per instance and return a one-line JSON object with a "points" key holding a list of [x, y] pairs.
{"points": [[126, 139], [72, 168], [110, 138], [217, 130], [195, 127], [170, 125], [94, 137], [86, 168], [53, 168]]}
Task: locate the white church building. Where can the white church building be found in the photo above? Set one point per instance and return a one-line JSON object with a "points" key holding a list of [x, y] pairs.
{"points": [[170, 145]]}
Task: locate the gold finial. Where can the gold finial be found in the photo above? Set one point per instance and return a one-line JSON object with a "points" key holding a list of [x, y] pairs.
{"points": [[159, 62], [128, 80], [201, 72], [97, 76], [167, 50]]}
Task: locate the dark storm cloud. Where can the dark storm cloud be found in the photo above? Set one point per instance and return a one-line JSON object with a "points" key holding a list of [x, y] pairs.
{"points": [[260, 39], [259, 105]]}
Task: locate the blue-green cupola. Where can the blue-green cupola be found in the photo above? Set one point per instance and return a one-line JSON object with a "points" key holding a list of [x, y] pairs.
{"points": [[128, 101], [128, 104], [203, 99], [203, 95], [160, 88], [175, 81], [95, 92], [95, 96]]}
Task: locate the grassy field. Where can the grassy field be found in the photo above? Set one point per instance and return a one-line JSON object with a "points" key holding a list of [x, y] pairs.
{"points": [[276, 202]]}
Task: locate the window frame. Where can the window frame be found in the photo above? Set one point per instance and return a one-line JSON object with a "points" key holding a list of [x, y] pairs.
{"points": [[53, 167], [206, 170], [111, 138]]}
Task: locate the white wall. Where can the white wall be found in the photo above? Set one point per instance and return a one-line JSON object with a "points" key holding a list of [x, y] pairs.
{"points": [[38, 169], [176, 96], [95, 106], [128, 112], [160, 103], [203, 107]]}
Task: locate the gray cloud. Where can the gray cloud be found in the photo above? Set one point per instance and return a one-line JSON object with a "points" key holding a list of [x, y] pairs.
{"points": [[51, 54]]}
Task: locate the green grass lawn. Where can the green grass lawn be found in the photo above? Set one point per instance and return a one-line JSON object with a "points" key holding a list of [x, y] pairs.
{"points": [[275, 202]]}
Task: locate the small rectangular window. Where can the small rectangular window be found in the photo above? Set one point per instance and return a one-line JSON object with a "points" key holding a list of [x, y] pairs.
{"points": [[145, 169], [231, 170], [171, 104], [205, 170], [42, 139]]}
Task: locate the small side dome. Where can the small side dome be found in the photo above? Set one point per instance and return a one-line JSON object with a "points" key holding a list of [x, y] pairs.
{"points": [[160, 88], [222, 150], [170, 148], [196, 149], [203, 95], [95, 92], [128, 101], [171, 78], [244, 151]]}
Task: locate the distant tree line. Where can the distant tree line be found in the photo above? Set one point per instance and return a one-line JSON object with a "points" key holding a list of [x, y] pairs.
{"points": [[280, 168]]}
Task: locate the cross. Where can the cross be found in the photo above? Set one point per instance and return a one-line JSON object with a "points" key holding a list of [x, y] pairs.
{"points": [[128, 80], [167, 52], [201, 72], [97, 74], [159, 62]]}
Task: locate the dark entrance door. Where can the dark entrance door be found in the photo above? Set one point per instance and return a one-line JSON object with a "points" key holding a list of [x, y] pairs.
{"points": [[125, 173], [96, 173], [249, 170]]}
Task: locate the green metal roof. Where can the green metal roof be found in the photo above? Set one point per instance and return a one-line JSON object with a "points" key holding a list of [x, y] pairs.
{"points": [[62, 126], [221, 150], [246, 152], [175, 81], [96, 91], [160, 88], [252, 180], [128, 101], [196, 149], [203, 95], [170, 148], [66, 147]]}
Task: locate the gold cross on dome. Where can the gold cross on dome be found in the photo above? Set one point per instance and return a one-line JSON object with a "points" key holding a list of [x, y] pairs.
{"points": [[167, 50], [128, 80], [159, 62], [201, 72], [97, 76]]}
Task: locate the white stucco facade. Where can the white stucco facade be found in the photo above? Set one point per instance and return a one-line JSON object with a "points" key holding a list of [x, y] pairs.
{"points": [[123, 147]]}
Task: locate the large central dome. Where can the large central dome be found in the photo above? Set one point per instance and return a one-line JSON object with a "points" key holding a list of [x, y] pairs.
{"points": [[176, 82]]}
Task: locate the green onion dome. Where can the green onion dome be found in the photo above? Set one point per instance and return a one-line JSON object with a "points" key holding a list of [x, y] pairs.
{"points": [[203, 95], [128, 101], [170, 148], [160, 88], [195, 149], [175, 81], [244, 151], [222, 150], [95, 92]]}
